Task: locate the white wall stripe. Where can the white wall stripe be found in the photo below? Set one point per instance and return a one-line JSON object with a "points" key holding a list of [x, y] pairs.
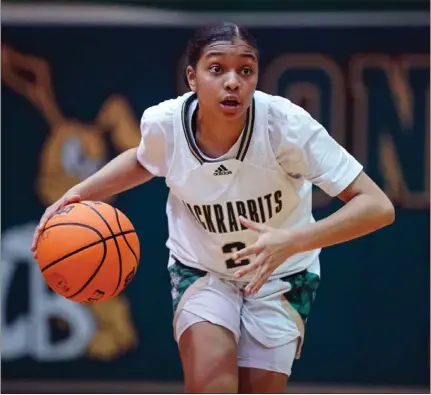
{"points": [[115, 15]]}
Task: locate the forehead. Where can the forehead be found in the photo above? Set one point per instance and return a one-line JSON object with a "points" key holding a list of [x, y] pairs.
{"points": [[229, 48]]}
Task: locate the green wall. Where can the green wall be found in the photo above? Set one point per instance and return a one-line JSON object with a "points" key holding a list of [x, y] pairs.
{"points": [[370, 322]]}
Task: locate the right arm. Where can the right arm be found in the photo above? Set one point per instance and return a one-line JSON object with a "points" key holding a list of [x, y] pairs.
{"points": [[129, 169], [120, 174], [134, 166]]}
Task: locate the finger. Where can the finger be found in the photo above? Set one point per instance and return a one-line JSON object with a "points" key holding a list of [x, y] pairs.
{"points": [[75, 198], [258, 275], [36, 235], [261, 272], [39, 229], [251, 267], [252, 225], [246, 269], [43, 221], [255, 248], [260, 279], [49, 212]]}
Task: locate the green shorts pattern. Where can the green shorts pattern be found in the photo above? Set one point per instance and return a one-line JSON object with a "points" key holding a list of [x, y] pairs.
{"points": [[304, 286], [301, 296], [182, 277]]}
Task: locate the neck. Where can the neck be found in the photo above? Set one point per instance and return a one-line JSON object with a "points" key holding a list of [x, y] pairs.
{"points": [[216, 136]]}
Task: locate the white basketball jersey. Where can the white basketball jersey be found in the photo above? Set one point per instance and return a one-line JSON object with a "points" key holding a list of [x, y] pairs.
{"points": [[208, 195]]}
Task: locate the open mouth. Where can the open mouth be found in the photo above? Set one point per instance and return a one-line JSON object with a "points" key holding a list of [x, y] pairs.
{"points": [[230, 103]]}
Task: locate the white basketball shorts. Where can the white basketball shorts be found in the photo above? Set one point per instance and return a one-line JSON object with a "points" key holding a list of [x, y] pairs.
{"points": [[268, 327]]}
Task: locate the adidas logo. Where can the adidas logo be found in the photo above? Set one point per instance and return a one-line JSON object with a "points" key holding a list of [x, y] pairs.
{"points": [[222, 171]]}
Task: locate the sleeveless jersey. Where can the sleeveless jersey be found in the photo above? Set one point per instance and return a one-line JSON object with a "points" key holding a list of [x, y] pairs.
{"points": [[266, 184]]}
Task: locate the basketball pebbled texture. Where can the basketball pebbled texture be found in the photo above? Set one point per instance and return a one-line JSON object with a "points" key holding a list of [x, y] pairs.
{"points": [[88, 252]]}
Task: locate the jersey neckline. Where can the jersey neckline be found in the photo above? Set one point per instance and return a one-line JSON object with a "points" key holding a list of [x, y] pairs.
{"points": [[190, 132]]}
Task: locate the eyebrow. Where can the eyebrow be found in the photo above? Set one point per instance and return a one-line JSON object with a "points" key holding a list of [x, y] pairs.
{"points": [[220, 53]]}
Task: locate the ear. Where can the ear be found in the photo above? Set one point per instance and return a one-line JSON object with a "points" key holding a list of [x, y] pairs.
{"points": [[191, 78]]}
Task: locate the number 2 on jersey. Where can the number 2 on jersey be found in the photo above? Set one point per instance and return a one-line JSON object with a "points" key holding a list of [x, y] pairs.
{"points": [[231, 248]]}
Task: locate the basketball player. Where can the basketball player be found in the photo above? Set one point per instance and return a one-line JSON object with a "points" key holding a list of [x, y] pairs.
{"points": [[244, 247]]}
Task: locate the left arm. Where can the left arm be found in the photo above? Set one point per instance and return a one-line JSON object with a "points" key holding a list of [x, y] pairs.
{"points": [[366, 210], [309, 150]]}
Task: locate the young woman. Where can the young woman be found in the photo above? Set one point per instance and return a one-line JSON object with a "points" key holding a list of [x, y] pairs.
{"points": [[244, 247]]}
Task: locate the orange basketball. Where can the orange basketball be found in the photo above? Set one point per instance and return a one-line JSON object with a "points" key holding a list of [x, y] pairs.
{"points": [[88, 252]]}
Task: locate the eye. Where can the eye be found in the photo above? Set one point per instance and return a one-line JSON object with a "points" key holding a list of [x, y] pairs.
{"points": [[216, 69], [247, 70]]}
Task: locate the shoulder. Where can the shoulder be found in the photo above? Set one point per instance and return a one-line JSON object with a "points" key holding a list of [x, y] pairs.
{"points": [[287, 122], [157, 142], [282, 110], [161, 116]]}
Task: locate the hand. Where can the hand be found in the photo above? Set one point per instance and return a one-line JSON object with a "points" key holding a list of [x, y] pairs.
{"points": [[272, 248], [68, 198]]}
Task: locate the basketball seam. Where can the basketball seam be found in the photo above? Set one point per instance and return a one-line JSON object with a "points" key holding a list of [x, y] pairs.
{"points": [[120, 261], [125, 238], [91, 278], [75, 224], [102, 239], [70, 254], [126, 241], [114, 236]]}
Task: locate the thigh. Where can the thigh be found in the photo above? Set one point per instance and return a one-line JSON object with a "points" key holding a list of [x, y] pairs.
{"points": [[264, 369], [259, 381], [277, 314], [209, 359], [209, 298], [272, 332], [206, 327]]}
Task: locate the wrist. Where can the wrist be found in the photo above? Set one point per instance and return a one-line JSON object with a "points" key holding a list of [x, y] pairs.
{"points": [[298, 240], [76, 190]]}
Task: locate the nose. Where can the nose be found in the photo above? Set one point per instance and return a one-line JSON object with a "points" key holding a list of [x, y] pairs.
{"points": [[231, 82]]}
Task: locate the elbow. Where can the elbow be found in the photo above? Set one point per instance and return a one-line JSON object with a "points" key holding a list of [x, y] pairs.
{"points": [[387, 212]]}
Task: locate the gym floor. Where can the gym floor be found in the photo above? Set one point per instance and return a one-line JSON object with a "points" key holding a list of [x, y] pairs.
{"points": [[135, 387]]}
